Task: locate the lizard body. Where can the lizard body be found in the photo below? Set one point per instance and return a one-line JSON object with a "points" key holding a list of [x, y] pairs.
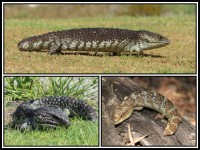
{"points": [[51, 111], [95, 39], [152, 100]]}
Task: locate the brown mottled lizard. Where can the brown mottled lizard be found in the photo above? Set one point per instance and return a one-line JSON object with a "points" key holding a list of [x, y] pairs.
{"points": [[152, 100], [95, 39]]}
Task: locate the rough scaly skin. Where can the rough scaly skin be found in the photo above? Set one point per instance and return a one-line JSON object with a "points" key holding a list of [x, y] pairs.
{"points": [[95, 39], [51, 111], [152, 100]]}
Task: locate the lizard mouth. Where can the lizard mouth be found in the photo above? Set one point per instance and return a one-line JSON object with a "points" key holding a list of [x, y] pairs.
{"points": [[166, 42], [153, 45]]}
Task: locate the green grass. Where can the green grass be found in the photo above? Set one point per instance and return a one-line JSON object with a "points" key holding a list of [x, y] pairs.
{"points": [[178, 57], [80, 133]]}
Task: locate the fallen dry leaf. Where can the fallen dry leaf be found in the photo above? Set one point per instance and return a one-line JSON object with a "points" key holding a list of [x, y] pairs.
{"points": [[132, 140]]}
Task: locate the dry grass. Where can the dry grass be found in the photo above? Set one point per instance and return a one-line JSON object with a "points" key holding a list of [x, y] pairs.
{"points": [[178, 57]]}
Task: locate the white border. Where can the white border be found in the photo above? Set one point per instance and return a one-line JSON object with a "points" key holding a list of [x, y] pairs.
{"points": [[100, 75]]}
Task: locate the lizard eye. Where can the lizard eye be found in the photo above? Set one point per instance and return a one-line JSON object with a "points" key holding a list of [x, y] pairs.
{"points": [[161, 37]]}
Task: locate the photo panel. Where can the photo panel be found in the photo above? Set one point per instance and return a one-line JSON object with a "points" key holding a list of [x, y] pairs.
{"points": [[51, 111], [148, 111], [100, 38]]}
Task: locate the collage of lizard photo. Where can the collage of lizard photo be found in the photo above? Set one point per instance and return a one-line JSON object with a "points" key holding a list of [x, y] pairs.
{"points": [[99, 75]]}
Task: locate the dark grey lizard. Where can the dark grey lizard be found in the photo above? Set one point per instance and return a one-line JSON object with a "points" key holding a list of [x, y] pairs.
{"points": [[50, 112], [95, 39]]}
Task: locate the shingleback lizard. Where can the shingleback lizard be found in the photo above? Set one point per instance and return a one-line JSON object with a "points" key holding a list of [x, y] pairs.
{"points": [[50, 112], [152, 100], [95, 39]]}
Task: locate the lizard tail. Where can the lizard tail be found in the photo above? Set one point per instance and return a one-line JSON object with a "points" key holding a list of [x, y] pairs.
{"points": [[172, 125]]}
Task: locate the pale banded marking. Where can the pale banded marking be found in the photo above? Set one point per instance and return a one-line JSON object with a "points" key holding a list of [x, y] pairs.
{"points": [[94, 44], [108, 45], [115, 43], [73, 45], [88, 45], [81, 45], [64, 47], [102, 45]]}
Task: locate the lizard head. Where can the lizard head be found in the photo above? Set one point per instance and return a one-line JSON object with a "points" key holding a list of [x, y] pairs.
{"points": [[29, 44], [150, 40], [45, 117], [122, 112]]}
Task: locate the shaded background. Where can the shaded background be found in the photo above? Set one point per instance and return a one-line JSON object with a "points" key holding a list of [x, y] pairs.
{"points": [[180, 90], [35, 11]]}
